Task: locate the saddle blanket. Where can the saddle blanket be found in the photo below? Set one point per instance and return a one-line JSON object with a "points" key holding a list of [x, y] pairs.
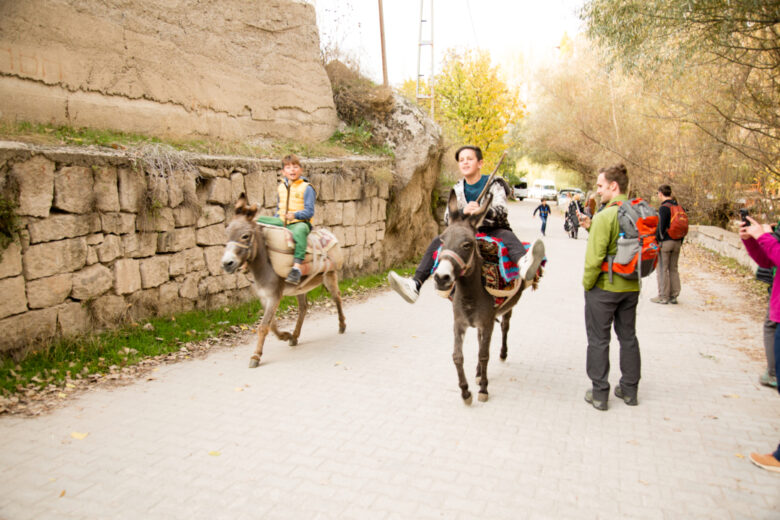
{"points": [[499, 273], [280, 246]]}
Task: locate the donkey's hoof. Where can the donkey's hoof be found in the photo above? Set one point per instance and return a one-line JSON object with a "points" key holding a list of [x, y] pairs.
{"points": [[502, 357], [253, 363], [342, 328], [293, 342], [483, 396], [467, 399]]}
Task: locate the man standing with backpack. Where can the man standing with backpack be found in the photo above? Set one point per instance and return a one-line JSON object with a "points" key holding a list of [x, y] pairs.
{"points": [[672, 228], [610, 298]]}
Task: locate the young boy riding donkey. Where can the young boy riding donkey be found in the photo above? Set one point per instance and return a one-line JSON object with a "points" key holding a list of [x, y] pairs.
{"points": [[280, 266], [477, 208], [495, 224]]}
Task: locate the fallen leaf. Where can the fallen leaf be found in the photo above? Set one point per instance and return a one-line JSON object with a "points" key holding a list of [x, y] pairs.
{"points": [[62, 396], [337, 363], [215, 453], [739, 455], [78, 435], [238, 389], [244, 327], [62, 494], [396, 346], [70, 385], [731, 396]]}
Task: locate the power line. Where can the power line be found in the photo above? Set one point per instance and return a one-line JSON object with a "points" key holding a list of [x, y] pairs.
{"points": [[471, 19]]}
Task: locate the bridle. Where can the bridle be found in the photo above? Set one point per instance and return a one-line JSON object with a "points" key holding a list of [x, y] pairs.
{"points": [[249, 246], [465, 267]]}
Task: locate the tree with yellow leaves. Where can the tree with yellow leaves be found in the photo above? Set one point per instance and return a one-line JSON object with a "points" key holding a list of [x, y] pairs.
{"points": [[474, 105]]}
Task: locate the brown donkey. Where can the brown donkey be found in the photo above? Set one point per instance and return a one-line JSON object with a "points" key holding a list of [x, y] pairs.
{"points": [[246, 244], [460, 265]]}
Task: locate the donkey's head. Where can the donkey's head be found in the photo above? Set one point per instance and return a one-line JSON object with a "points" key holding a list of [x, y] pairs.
{"points": [[459, 247], [243, 237]]}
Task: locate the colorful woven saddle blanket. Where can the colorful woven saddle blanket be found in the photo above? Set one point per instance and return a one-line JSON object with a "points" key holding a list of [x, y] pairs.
{"points": [[500, 275]]}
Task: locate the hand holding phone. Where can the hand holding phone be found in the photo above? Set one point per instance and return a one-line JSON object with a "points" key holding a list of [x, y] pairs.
{"points": [[743, 212]]}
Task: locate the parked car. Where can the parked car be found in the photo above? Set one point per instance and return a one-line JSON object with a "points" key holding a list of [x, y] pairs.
{"points": [[543, 190], [565, 196], [520, 190]]}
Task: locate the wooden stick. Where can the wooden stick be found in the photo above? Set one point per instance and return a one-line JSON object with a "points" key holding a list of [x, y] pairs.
{"points": [[490, 179]]}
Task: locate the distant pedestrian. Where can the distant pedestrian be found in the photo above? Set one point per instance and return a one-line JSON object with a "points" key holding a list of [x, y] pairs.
{"points": [[608, 301], [591, 205], [544, 212], [763, 246], [667, 273], [572, 223]]}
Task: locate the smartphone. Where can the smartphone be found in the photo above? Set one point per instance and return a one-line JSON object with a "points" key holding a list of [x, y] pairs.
{"points": [[743, 212]]}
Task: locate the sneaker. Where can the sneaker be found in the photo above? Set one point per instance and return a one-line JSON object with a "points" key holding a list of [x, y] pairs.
{"points": [[630, 401], [406, 287], [768, 462], [659, 299], [294, 277], [598, 405], [673, 300], [767, 380], [530, 262]]}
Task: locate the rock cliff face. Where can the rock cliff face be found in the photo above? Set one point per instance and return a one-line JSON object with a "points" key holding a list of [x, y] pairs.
{"points": [[418, 146], [233, 69]]}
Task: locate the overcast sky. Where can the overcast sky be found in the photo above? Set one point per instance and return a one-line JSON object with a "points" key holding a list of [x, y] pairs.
{"points": [[511, 30]]}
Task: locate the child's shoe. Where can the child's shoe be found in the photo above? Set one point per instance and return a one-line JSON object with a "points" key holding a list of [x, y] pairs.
{"points": [[294, 277]]}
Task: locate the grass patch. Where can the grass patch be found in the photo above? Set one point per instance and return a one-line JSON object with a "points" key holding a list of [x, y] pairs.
{"points": [[46, 134], [359, 139], [82, 357]]}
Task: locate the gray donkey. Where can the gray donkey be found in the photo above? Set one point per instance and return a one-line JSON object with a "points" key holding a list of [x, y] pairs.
{"points": [[246, 245], [460, 265]]}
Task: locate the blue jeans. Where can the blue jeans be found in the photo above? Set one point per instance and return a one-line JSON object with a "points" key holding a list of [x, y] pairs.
{"points": [[544, 224]]}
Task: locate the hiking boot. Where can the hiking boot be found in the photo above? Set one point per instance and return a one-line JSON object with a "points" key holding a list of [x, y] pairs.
{"points": [[598, 405], [406, 287], [530, 262], [659, 299], [767, 380], [630, 401], [294, 277], [768, 462], [673, 300]]}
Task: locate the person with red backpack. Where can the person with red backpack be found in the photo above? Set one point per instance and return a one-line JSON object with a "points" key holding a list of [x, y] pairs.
{"points": [[672, 228], [612, 286]]}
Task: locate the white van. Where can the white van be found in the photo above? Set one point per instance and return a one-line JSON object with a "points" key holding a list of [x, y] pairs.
{"points": [[543, 189]]}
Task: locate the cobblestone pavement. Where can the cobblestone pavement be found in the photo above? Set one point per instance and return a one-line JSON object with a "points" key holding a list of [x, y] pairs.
{"points": [[370, 424]]}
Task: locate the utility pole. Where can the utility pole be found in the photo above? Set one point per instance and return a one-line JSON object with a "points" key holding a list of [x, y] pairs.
{"points": [[426, 43], [382, 35]]}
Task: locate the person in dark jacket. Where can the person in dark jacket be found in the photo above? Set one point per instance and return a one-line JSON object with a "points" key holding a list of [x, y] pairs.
{"points": [[667, 273], [573, 211]]}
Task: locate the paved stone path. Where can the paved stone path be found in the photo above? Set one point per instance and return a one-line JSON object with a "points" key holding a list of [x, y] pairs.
{"points": [[370, 424]]}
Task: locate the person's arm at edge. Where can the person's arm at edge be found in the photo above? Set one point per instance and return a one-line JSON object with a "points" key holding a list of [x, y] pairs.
{"points": [[309, 198]]}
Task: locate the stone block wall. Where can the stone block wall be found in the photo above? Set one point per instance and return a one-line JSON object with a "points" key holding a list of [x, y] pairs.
{"points": [[105, 237], [726, 243]]}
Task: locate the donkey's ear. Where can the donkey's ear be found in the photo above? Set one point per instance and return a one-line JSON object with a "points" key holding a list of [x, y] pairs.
{"points": [[241, 204], [243, 207], [452, 206], [475, 219]]}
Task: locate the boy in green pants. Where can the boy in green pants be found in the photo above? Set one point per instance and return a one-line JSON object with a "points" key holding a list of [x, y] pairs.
{"points": [[294, 210]]}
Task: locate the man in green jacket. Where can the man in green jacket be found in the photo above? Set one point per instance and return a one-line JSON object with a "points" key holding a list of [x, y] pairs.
{"points": [[606, 301]]}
